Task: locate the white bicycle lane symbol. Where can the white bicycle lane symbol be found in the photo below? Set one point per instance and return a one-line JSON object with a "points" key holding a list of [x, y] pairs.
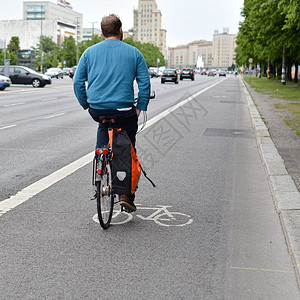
{"points": [[160, 216]]}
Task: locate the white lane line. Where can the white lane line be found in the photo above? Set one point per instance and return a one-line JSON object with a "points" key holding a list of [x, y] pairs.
{"points": [[49, 99], [14, 104], [44, 183], [54, 116], [9, 126]]}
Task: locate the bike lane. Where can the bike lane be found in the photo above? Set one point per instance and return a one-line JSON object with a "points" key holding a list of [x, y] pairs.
{"points": [[204, 161]]}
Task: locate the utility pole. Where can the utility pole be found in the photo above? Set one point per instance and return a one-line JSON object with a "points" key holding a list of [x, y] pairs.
{"points": [[41, 41], [77, 18]]}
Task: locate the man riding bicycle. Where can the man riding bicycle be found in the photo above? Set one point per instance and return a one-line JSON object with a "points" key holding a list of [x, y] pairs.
{"points": [[110, 68]]}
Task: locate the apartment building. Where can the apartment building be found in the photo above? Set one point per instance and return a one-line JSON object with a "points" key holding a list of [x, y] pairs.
{"points": [[147, 25], [223, 49], [188, 55], [58, 21], [88, 33]]}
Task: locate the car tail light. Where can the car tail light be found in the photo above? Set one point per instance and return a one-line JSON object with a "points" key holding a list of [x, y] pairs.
{"points": [[175, 74], [162, 74], [191, 72]]}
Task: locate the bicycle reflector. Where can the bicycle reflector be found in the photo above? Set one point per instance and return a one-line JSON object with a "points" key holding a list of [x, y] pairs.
{"points": [[105, 151], [99, 172], [98, 151]]}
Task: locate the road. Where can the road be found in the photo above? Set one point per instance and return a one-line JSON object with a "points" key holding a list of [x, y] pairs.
{"points": [[226, 242]]}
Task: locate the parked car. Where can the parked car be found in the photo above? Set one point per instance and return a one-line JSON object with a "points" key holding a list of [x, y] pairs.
{"points": [[222, 73], [66, 71], [212, 73], [24, 75], [203, 72], [187, 73], [55, 72], [152, 73], [4, 82], [169, 75], [72, 72]]}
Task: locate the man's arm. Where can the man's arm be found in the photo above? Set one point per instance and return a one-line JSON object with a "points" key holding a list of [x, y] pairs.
{"points": [[79, 80], [143, 81]]}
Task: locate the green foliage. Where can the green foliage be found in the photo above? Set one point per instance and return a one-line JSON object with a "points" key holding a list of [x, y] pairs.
{"points": [[14, 44], [9, 55], [150, 52], [54, 55], [268, 26], [68, 52]]}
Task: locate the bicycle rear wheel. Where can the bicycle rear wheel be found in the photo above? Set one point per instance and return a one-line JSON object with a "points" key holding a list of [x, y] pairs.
{"points": [[105, 199]]}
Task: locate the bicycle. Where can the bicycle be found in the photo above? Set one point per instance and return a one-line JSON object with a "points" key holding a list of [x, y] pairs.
{"points": [[102, 177]]}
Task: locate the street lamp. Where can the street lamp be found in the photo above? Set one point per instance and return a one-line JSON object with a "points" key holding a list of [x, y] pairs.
{"points": [[93, 28], [77, 40], [41, 40]]}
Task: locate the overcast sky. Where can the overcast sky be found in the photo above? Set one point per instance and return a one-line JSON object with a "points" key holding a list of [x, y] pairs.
{"points": [[184, 20]]}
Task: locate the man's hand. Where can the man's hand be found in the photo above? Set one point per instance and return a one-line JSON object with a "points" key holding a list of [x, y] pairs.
{"points": [[138, 111]]}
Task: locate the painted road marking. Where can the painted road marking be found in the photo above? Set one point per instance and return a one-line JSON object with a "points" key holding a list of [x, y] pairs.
{"points": [[264, 270], [14, 104], [9, 126], [161, 216], [43, 184], [49, 99], [39, 186], [54, 116]]}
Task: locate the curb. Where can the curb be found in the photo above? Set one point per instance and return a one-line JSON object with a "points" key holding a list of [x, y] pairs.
{"points": [[285, 194]]}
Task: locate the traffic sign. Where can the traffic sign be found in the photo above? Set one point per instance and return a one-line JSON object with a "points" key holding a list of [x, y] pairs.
{"points": [[2, 44]]}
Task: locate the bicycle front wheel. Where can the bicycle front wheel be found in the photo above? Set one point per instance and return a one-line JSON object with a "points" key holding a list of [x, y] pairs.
{"points": [[105, 199]]}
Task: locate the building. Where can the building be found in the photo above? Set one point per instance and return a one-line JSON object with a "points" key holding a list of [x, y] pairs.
{"points": [[69, 22], [188, 55], [147, 25], [223, 49], [57, 21], [88, 33]]}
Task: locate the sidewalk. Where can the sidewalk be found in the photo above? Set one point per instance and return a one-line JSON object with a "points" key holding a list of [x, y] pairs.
{"points": [[280, 152]]}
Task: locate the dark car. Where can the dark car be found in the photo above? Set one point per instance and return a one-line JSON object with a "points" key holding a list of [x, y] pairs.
{"points": [[24, 75], [169, 75], [72, 72], [152, 73], [222, 73], [187, 73], [203, 72]]}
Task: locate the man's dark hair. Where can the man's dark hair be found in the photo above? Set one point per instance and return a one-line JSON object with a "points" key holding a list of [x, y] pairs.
{"points": [[111, 25]]}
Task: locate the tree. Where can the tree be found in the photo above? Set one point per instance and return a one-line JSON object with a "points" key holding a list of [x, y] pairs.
{"points": [[268, 26], [14, 44], [68, 52], [150, 52]]}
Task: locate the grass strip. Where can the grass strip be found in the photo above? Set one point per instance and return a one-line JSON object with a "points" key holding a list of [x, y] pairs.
{"points": [[289, 92]]}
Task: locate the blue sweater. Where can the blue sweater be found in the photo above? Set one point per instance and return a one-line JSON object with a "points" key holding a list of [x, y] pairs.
{"points": [[110, 68]]}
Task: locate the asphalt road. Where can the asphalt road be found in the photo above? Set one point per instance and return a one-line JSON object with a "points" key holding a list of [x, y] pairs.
{"points": [[226, 241]]}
